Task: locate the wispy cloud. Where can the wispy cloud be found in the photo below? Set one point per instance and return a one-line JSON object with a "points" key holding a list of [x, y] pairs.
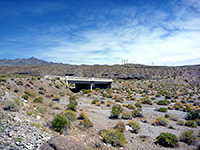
{"points": [[163, 35]]}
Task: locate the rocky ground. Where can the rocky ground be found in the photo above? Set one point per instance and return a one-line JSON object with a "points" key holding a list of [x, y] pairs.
{"points": [[28, 126]]}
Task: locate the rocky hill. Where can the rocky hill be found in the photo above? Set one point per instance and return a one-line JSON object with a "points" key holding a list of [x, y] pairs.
{"points": [[20, 62], [32, 66]]}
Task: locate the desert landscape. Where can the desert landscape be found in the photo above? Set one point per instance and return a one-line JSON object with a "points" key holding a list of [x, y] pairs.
{"points": [[147, 107]]}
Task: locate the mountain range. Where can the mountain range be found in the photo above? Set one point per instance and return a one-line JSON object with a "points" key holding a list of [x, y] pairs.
{"points": [[21, 62]]}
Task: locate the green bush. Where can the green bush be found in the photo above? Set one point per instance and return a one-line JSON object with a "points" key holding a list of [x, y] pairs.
{"points": [[86, 123], [94, 101], [136, 113], [163, 102], [60, 123], [62, 94], [29, 93], [38, 100], [72, 105], [160, 121], [188, 137], [162, 109], [138, 105], [16, 90], [126, 115], [82, 116], [25, 97], [180, 122], [116, 111], [19, 83], [191, 123], [58, 86], [70, 115], [195, 114], [72, 97], [146, 101], [120, 126], [167, 139], [113, 137], [134, 125]]}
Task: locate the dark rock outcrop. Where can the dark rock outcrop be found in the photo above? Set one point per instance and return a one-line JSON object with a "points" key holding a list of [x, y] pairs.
{"points": [[63, 143]]}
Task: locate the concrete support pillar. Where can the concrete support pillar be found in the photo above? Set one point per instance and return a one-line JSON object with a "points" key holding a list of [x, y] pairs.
{"points": [[91, 85]]}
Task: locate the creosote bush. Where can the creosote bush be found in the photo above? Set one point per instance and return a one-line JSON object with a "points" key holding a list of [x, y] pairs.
{"points": [[70, 115], [134, 125], [188, 137], [116, 111], [120, 126], [139, 105], [160, 121], [180, 122], [191, 123], [162, 109], [126, 115], [86, 123], [136, 113], [167, 139], [38, 100], [82, 116], [163, 102], [113, 137], [60, 123]]}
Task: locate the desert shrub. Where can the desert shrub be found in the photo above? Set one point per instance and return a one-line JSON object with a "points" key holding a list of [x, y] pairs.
{"points": [[60, 123], [82, 116], [29, 93], [62, 94], [94, 101], [116, 111], [16, 90], [58, 86], [71, 106], [173, 117], [163, 102], [167, 139], [167, 115], [158, 95], [25, 97], [187, 108], [188, 137], [197, 121], [11, 106], [136, 113], [130, 106], [19, 83], [160, 121], [86, 123], [178, 105], [70, 115], [162, 109], [147, 101], [134, 125], [119, 99], [113, 137], [191, 123], [38, 100], [29, 113], [120, 126], [108, 103], [195, 114], [72, 97], [126, 115], [180, 122], [168, 96], [138, 105]]}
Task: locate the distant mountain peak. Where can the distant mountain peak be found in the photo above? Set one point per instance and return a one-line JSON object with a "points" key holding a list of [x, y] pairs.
{"points": [[19, 62]]}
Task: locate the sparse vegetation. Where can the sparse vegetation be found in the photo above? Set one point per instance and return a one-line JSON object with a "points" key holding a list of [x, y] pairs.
{"points": [[167, 140]]}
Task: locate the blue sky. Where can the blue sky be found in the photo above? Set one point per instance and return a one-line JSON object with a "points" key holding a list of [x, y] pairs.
{"points": [[101, 31]]}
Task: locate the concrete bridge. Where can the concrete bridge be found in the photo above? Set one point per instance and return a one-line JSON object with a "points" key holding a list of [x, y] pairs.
{"points": [[83, 82]]}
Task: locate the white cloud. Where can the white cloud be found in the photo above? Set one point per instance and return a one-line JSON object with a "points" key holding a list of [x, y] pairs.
{"points": [[160, 40]]}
